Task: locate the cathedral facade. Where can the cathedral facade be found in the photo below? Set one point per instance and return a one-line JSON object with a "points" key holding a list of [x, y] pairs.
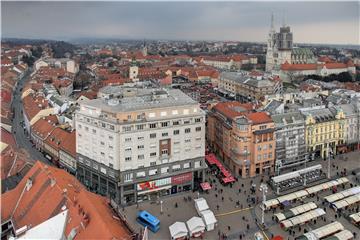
{"points": [[280, 49]]}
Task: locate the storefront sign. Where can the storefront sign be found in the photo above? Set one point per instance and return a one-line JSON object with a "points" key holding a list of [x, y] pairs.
{"points": [[182, 178], [153, 184]]}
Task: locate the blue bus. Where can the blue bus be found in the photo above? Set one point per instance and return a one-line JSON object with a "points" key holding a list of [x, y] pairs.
{"points": [[148, 220]]}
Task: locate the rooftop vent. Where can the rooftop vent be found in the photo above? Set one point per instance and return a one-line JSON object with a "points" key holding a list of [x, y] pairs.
{"points": [[29, 183], [113, 102]]}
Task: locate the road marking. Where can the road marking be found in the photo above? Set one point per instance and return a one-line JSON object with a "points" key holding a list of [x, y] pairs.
{"points": [[232, 212], [265, 235]]}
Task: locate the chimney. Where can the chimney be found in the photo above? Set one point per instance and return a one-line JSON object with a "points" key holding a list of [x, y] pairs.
{"points": [[29, 183], [52, 183]]}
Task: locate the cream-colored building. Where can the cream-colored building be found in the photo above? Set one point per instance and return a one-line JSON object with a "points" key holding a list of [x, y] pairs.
{"points": [[144, 144]]}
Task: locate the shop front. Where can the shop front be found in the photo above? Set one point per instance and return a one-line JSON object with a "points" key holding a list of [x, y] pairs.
{"points": [[153, 190]]}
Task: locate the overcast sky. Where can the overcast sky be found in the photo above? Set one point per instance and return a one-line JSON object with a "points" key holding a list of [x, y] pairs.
{"points": [[311, 22]]}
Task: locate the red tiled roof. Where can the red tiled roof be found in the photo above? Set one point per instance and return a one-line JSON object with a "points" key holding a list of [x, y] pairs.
{"points": [[33, 105], [259, 117], [44, 126], [335, 65], [7, 137], [228, 109], [53, 188], [298, 67]]}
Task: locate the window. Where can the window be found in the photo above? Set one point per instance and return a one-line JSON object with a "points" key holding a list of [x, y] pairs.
{"points": [[102, 143], [163, 114], [187, 130], [140, 174], [141, 147], [186, 111], [128, 177], [111, 147], [165, 170], [259, 157], [103, 125], [198, 138], [175, 123], [265, 156], [128, 149], [128, 139], [111, 165], [111, 137], [165, 134], [152, 135], [175, 112], [197, 120], [198, 129], [152, 125], [152, 163], [188, 140], [263, 127], [86, 128], [151, 115], [127, 128], [79, 126], [176, 143], [259, 148], [153, 154], [176, 151], [112, 127], [128, 159], [270, 146], [102, 154], [164, 124], [140, 127], [176, 132], [164, 152], [129, 117], [186, 165], [152, 172], [176, 167], [186, 121], [140, 138], [270, 155], [94, 131], [141, 157]]}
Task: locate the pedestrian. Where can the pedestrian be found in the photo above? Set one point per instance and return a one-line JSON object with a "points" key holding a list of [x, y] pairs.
{"points": [[229, 228], [217, 207], [222, 198], [247, 226], [176, 205]]}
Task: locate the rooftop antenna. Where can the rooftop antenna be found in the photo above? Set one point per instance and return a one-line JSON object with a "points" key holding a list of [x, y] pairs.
{"points": [[272, 28], [284, 20]]}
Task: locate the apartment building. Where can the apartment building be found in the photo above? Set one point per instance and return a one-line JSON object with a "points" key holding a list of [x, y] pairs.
{"points": [[352, 121], [145, 144], [290, 148], [248, 88], [324, 130], [243, 138]]}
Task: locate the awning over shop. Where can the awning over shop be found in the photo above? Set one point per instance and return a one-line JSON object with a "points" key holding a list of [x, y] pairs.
{"points": [[205, 186]]}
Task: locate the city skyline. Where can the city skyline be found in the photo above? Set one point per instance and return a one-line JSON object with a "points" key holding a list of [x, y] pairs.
{"points": [[312, 22]]}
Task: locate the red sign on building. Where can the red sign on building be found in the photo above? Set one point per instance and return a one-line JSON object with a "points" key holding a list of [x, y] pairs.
{"points": [[182, 178]]}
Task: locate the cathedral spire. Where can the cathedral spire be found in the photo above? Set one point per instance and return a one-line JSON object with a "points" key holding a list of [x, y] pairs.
{"points": [[272, 27]]}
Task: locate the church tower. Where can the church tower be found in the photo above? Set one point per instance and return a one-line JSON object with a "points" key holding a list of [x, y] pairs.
{"points": [[144, 49], [279, 46], [271, 46]]}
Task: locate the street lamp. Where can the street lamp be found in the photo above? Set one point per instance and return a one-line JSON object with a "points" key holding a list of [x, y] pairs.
{"points": [[306, 159], [329, 162], [263, 189], [161, 207]]}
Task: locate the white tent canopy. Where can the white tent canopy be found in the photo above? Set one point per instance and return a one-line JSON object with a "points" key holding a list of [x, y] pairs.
{"points": [[201, 205], [355, 217], [347, 201], [209, 219], [295, 211], [195, 225], [328, 229], [343, 194], [178, 230], [300, 219], [344, 235]]}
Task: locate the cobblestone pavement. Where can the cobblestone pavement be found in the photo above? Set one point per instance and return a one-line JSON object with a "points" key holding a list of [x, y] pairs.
{"points": [[241, 219]]}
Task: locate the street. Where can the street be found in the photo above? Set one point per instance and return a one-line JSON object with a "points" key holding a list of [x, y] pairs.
{"points": [[22, 140]]}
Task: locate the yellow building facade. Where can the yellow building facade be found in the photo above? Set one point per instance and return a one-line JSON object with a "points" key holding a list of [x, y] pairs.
{"points": [[325, 131]]}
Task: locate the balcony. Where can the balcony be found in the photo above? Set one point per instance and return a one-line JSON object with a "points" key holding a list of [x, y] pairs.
{"points": [[238, 152]]}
